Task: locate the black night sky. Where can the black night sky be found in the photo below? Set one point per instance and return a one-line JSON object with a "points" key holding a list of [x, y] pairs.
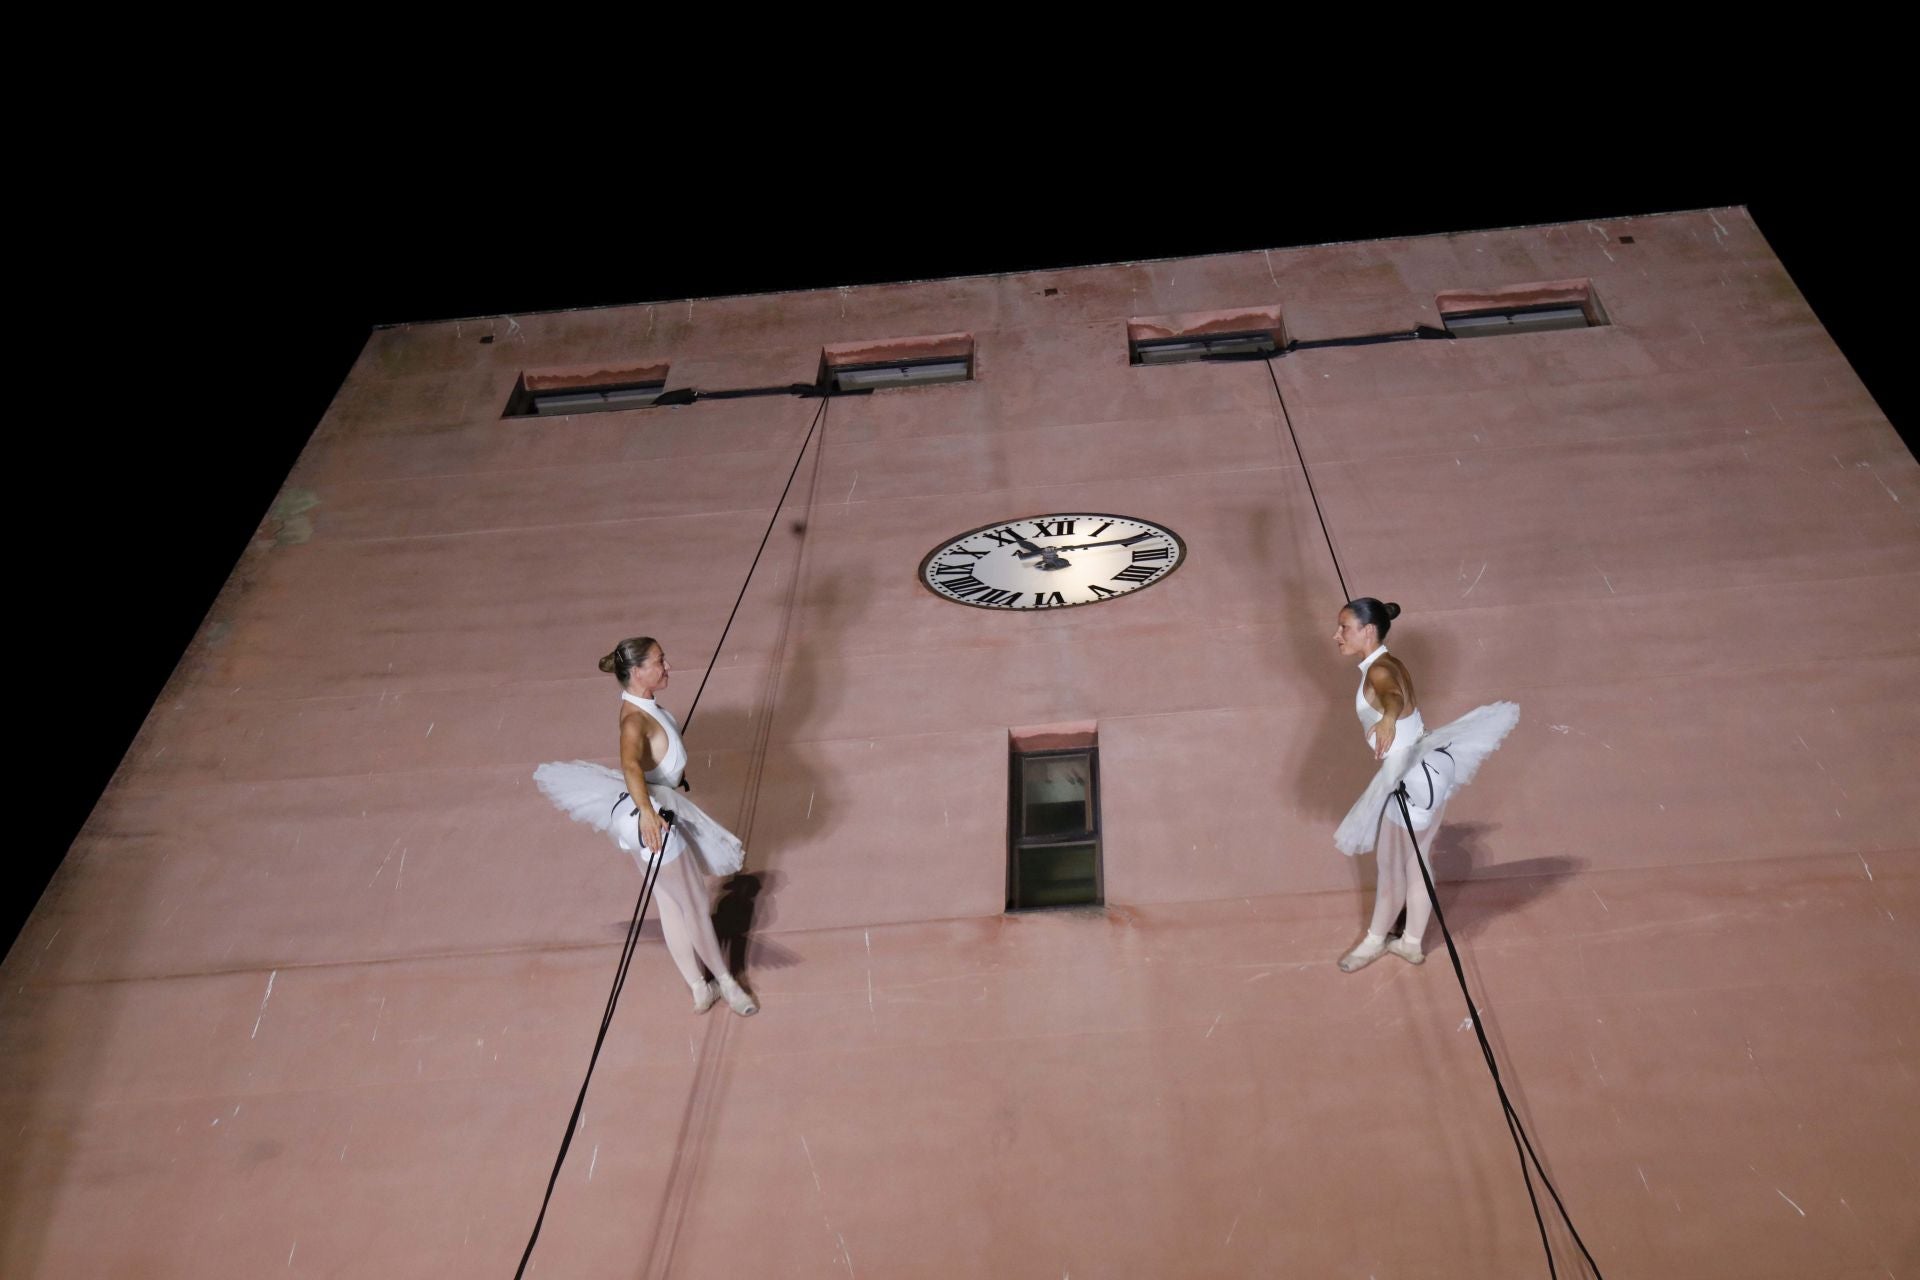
{"points": [[247, 324]]}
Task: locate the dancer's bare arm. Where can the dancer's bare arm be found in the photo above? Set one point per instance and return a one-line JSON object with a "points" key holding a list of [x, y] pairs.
{"points": [[1385, 688], [637, 755]]}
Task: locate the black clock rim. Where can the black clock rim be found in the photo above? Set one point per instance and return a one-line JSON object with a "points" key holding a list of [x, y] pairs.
{"points": [[921, 572]]}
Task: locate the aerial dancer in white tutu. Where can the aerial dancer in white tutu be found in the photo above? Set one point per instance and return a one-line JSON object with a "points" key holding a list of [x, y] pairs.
{"points": [[1429, 764], [627, 806]]}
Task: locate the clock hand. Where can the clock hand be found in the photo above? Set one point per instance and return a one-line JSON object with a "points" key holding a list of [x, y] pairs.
{"points": [[1110, 542]]}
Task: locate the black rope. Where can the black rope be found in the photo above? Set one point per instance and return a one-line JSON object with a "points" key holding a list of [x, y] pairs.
{"points": [[647, 882], [818, 415], [652, 873], [1522, 1146], [1519, 1131], [1415, 334], [606, 1021], [1345, 595]]}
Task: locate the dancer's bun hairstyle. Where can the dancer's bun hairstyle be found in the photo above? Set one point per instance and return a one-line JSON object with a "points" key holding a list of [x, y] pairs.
{"points": [[1373, 613], [627, 655]]}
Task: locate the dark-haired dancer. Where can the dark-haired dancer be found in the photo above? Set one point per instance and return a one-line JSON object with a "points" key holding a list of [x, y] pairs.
{"points": [[627, 806], [1429, 765]]}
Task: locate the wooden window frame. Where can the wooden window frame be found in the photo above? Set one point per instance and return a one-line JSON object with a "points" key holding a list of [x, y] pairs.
{"points": [[1016, 842]]}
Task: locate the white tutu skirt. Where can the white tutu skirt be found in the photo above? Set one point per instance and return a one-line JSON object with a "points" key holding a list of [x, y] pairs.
{"points": [[591, 793], [1467, 741]]}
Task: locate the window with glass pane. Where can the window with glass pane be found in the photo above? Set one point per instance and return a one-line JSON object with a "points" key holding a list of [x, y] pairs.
{"points": [[1054, 832], [1483, 324]]}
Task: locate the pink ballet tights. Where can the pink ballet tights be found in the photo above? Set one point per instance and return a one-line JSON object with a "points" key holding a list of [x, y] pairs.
{"points": [[1398, 883], [681, 899]]}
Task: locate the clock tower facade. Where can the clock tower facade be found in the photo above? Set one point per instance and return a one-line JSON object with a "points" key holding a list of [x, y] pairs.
{"points": [[1027, 585]]}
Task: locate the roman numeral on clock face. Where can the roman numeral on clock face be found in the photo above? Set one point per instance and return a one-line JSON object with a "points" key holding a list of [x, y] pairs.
{"points": [[1152, 553], [965, 570], [1052, 528], [1003, 537], [1100, 592], [968, 587], [1134, 573], [962, 551]]}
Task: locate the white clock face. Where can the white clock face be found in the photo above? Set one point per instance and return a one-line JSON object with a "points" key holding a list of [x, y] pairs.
{"points": [[1052, 562]]}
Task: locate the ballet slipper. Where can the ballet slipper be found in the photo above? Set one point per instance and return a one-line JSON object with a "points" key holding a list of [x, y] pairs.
{"points": [[1362, 956], [1408, 951], [737, 998], [703, 997]]}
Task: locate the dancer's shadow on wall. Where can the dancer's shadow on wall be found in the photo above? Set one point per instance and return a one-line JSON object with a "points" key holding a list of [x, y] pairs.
{"points": [[1500, 888], [741, 909], [794, 695]]}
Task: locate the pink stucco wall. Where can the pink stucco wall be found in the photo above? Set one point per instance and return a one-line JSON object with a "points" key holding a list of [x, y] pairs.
{"points": [[314, 987]]}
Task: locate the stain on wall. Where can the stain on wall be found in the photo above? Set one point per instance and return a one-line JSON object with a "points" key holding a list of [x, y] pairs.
{"points": [[287, 523]]}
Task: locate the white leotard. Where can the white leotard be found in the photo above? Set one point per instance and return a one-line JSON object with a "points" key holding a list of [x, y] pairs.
{"points": [[1406, 730], [673, 766]]}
